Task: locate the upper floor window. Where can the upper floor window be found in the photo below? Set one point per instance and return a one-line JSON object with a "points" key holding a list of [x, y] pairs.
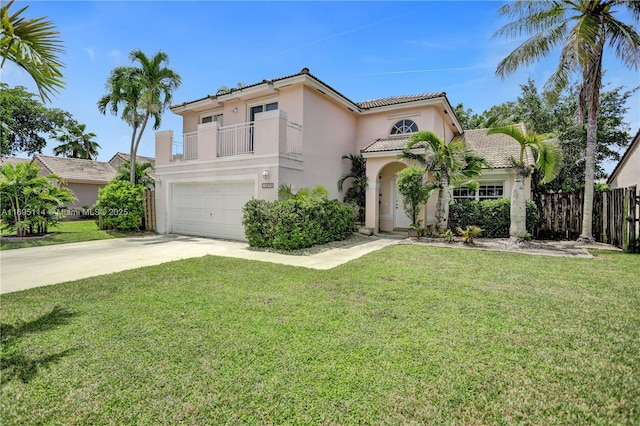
{"points": [[211, 118], [404, 126]]}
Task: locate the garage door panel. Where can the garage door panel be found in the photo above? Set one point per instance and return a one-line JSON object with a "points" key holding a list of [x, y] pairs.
{"points": [[211, 209]]}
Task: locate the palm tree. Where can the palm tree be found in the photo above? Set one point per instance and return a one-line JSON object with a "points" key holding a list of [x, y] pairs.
{"points": [[544, 160], [33, 45], [142, 174], [75, 143], [452, 165], [582, 28], [140, 93], [358, 190]]}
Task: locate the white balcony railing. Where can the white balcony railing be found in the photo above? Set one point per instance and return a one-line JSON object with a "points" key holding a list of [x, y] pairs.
{"points": [[190, 141], [187, 149], [236, 139], [294, 138]]}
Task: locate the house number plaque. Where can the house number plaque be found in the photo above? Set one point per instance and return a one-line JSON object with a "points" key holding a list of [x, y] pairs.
{"points": [[268, 185]]}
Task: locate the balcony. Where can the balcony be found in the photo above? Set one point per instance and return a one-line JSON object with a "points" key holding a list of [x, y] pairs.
{"points": [[270, 133]]}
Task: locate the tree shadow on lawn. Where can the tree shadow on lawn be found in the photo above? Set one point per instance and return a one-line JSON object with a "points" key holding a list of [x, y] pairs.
{"points": [[16, 363]]}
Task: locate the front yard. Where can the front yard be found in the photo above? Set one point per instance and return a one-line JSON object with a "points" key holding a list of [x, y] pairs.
{"points": [[63, 232], [408, 334]]}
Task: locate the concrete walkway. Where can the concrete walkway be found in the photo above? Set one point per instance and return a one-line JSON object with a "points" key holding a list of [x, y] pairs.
{"points": [[26, 268]]}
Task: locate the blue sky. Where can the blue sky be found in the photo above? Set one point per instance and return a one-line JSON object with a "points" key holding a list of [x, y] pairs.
{"points": [[365, 50]]}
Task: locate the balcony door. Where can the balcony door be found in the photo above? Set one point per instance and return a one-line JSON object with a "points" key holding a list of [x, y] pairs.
{"points": [[252, 117]]}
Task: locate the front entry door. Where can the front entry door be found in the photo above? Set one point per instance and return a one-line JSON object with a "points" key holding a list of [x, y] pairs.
{"points": [[400, 218]]}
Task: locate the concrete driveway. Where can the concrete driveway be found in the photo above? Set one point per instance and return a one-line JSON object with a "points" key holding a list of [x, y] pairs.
{"points": [[26, 268]]}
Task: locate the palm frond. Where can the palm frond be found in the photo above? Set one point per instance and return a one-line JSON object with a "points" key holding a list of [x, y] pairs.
{"points": [[33, 45]]}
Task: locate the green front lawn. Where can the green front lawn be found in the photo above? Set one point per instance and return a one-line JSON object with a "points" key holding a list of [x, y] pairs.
{"points": [[63, 232], [406, 335]]}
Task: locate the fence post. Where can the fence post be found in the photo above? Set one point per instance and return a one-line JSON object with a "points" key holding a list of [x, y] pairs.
{"points": [[605, 216], [631, 218]]}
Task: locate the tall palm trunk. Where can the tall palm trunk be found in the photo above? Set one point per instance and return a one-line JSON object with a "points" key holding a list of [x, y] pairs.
{"points": [[518, 209], [442, 207], [592, 81]]}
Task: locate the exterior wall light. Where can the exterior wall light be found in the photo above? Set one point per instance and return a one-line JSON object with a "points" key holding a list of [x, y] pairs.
{"points": [[266, 174]]}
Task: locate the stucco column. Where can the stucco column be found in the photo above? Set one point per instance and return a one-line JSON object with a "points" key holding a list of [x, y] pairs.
{"points": [[372, 204], [164, 141], [208, 141]]}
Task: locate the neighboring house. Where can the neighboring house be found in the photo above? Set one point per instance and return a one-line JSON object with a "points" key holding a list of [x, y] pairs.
{"points": [[120, 158], [627, 171], [294, 130], [13, 160], [83, 177]]}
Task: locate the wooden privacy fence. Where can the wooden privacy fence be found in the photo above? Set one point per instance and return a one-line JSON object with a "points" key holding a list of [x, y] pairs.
{"points": [[149, 205], [616, 217]]}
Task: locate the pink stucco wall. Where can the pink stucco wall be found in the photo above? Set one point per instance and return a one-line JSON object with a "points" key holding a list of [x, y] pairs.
{"points": [[329, 132]]}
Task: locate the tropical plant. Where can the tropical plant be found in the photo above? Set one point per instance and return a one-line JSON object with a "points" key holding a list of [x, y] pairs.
{"points": [[286, 193], [120, 206], [24, 121], [75, 143], [29, 202], [415, 192], [140, 93], [469, 234], [533, 109], [356, 194], [142, 174], [33, 45], [451, 165], [582, 28], [544, 161]]}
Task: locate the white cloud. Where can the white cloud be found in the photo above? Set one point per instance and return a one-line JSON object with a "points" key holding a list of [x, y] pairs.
{"points": [[90, 52], [116, 55]]}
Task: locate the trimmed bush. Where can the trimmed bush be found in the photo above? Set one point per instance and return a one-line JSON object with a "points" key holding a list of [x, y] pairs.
{"points": [[492, 216], [296, 223], [120, 206], [257, 218]]}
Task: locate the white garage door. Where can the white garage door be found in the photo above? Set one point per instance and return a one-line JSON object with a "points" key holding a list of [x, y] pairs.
{"points": [[211, 209]]}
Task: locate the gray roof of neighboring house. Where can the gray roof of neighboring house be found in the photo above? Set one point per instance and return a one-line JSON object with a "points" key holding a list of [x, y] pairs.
{"points": [[140, 159], [77, 169], [13, 160], [498, 149]]}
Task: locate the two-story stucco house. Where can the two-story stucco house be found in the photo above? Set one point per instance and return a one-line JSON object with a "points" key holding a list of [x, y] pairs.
{"points": [[294, 130]]}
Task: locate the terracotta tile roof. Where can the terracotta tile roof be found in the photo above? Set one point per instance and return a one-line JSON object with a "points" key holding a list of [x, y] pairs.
{"points": [[375, 103], [497, 149], [77, 169], [395, 100], [389, 144]]}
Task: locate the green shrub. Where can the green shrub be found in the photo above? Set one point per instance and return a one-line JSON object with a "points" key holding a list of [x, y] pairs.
{"points": [[493, 216], [257, 218], [296, 223], [120, 206]]}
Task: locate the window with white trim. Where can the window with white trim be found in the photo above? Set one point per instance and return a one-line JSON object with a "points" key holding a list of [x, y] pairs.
{"points": [[404, 126], [211, 118], [486, 191]]}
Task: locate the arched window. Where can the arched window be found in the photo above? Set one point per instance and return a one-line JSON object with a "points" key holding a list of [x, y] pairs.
{"points": [[404, 126]]}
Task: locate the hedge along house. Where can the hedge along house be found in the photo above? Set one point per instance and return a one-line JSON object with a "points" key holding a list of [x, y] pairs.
{"points": [[293, 130]]}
